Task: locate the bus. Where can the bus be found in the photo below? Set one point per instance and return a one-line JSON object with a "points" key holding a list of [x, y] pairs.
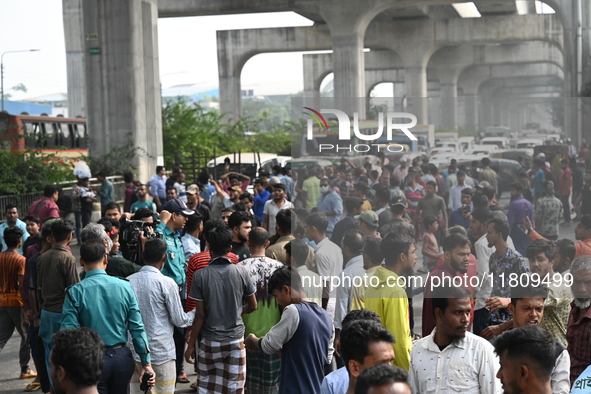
{"points": [[66, 138]]}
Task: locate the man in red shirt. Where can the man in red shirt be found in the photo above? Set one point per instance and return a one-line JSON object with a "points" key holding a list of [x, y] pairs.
{"points": [[564, 189], [46, 206]]}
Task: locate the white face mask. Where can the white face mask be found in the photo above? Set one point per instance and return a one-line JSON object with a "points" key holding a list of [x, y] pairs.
{"points": [[324, 189]]}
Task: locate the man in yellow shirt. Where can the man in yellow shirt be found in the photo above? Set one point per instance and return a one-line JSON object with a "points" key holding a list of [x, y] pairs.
{"points": [[386, 295]]}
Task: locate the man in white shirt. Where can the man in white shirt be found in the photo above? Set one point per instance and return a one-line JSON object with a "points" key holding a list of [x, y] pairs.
{"points": [[329, 258], [455, 192], [276, 203], [351, 245], [451, 359], [161, 311]]}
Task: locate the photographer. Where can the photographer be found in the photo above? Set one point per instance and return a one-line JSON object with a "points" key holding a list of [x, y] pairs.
{"points": [[173, 218], [129, 239]]}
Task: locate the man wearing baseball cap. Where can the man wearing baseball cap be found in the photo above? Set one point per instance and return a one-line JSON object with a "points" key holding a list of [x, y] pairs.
{"points": [[196, 203], [173, 218], [368, 223]]}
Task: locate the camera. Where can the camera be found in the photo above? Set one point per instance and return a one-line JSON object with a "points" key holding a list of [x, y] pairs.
{"points": [[144, 384], [131, 231]]}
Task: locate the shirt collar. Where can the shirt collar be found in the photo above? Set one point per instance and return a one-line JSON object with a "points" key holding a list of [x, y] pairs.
{"points": [[95, 272], [430, 344], [285, 238], [149, 268], [220, 260], [60, 247], [192, 238], [321, 242], [355, 260]]}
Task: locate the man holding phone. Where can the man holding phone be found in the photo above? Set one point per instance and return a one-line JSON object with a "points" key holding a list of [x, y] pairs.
{"points": [[459, 217]]}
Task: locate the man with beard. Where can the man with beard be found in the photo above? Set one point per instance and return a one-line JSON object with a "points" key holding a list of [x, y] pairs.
{"points": [[76, 361], [527, 357], [541, 256], [240, 224], [387, 297], [578, 329], [527, 308], [142, 202], [456, 257], [451, 359], [274, 205]]}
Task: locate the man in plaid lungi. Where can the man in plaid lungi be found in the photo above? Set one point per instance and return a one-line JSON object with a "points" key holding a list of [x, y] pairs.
{"points": [[219, 291]]}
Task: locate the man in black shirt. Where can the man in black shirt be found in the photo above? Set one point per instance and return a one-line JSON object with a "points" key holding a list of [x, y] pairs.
{"points": [[240, 223]]}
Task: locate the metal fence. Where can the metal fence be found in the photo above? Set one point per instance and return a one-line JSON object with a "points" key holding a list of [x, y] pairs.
{"points": [[24, 201]]}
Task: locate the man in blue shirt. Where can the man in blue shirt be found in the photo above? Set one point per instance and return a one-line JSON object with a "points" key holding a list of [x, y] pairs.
{"points": [[331, 204], [539, 178], [12, 220], [261, 196], [158, 186], [108, 305], [106, 191], [457, 217]]}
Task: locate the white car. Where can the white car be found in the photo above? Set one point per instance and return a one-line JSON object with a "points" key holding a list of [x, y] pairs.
{"points": [[483, 150], [441, 149], [466, 143], [526, 143], [500, 142]]}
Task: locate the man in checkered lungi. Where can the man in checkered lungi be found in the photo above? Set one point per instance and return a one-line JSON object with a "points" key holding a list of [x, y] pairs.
{"points": [[219, 291]]}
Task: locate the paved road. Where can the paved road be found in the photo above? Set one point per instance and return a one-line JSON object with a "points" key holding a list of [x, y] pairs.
{"points": [[9, 368]]}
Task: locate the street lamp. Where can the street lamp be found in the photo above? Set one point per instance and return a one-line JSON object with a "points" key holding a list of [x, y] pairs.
{"points": [[2, 70]]}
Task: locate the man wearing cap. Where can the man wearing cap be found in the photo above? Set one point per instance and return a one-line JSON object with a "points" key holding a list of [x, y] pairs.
{"points": [[173, 218], [368, 224], [196, 203]]}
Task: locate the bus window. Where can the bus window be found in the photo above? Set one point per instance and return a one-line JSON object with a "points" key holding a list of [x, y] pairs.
{"points": [[66, 140], [76, 140], [32, 135], [58, 136]]}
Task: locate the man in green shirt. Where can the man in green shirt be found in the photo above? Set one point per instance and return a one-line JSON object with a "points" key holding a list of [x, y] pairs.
{"points": [[142, 193], [108, 305], [173, 218], [311, 188]]}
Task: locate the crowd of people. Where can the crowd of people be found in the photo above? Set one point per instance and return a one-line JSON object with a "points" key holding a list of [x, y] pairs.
{"points": [[307, 282]]}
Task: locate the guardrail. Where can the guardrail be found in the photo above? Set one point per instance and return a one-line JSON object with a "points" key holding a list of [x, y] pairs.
{"points": [[24, 201]]}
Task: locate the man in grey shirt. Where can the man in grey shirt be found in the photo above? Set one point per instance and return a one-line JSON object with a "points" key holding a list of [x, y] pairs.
{"points": [[161, 310], [219, 291]]}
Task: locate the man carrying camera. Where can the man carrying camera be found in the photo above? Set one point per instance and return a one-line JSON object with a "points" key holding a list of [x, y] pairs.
{"points": [[173, 218]]}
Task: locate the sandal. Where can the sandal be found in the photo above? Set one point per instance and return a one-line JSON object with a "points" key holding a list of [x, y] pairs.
{"points": [[195, 386], [34, 386], [183, 378], [28, 374]]}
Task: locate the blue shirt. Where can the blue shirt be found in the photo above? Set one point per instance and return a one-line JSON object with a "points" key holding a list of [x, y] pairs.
{"points": [[457, 219], [107, 305], [259, 203], [331, 202], [519, 209], [539, 178], [191, 246], [106, 192], [336, 382], [158, 186], [175, 255], [20, 224]]}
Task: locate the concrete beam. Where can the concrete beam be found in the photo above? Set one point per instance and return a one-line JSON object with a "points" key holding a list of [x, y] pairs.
{"points": [[178, 8]]}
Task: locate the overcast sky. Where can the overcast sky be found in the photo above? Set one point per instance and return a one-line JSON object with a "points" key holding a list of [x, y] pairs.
{"points": [[187, 50]]}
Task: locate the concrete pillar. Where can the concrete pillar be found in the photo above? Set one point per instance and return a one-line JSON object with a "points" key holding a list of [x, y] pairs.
{"points": [[487, 112], [398, 94], [448, 80], [471, 110], [349, 73], [123, 87], [416, 92], [74, 40]]}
